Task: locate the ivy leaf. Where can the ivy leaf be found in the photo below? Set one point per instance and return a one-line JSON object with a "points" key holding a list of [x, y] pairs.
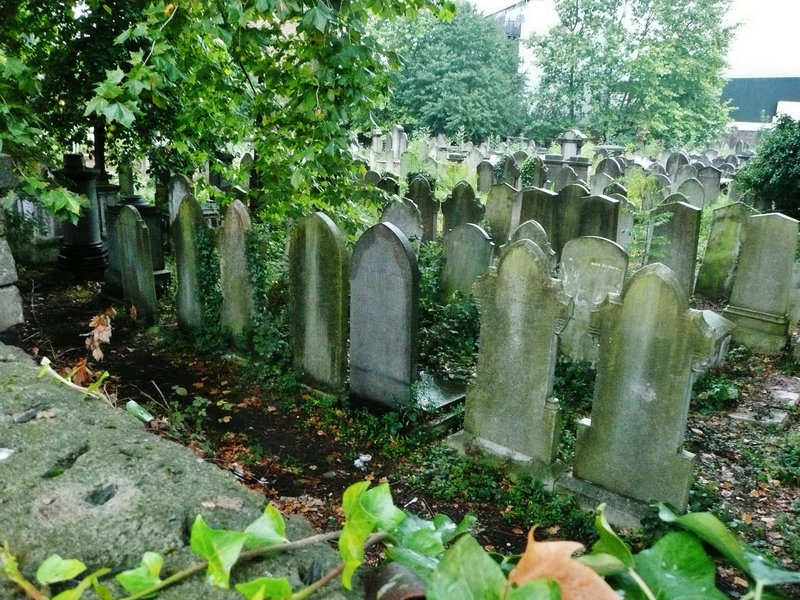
{"points": [[268, 530], [144, 576], [677, 566], [467, 572], [219, 547], [55, 569], [102, 591], [609, 542], [87, 582], [540, 589], [265, 587]]}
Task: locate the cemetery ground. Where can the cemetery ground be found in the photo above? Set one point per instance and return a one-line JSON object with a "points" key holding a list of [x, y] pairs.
{"points": [[302, 451]]}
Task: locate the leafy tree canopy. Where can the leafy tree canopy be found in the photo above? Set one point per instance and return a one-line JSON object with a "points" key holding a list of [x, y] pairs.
{"points": [[634, 70], [773, 176], [459, 77]]}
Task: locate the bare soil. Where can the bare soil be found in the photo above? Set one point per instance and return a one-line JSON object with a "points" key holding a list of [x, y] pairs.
{"points": [[275, 447]]}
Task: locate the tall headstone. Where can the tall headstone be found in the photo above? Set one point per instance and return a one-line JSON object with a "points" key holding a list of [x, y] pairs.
{"points": [[694, 192], [510, 173], [318, 303], [461, 206], [237, 292], [610, 167], [384, 298], [467, 251], [510, 407], [626, 220], [539, 204], [136, 264], [600, 181], [180, 186], [673, 242], [420, 193], [389, 185], [715, 276], [632, 446], [533, 231], [591, 269], [186, 228], [683, 173], [710, 178], [485, 176], [759, 300], [405, 215], [10, 300], [502, 211], [675, 162], [566, 176]]}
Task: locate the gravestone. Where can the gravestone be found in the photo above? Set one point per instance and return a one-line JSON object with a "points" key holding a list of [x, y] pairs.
{"points": [[502, 211], [473, 159], [610, 167], [591, 269], [759, 300], [510, 174], [533, 231], [600, 181], [372, 178], [615, 188], [657, 168], [710, 178], [674, 242], [566, 176], [625, 221], [461, 206], [188, 225], [579, 214], [485, 176], [510, 409], [539, 204], [683, 173], [715, 276], [694, 192], [384, 298], [533, 173], [467, 251], [237, 292], [136, 264], [179, 187], [10, 300], [632, 446], [675, 162], [389, 185], [405, 215], [655, 194], [420, 193], [430, 165], [520, 156], [318, 303]]}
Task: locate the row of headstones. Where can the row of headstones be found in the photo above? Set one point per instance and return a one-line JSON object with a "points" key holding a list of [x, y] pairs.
{"points": [[650, 345], [10, 299]]}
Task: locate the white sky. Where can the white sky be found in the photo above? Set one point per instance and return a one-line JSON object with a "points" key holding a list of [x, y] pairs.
{"points": [[766, 44]]}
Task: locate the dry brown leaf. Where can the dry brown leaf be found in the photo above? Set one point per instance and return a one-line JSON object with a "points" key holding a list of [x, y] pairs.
{"points": [[552, 560]]}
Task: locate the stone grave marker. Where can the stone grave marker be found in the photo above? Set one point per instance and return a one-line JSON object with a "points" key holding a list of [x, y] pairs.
{"points": [[473, 159], [533, 231], [237, 292], [591, 269], [715, 276], [10, 299], [615, 188], [520, 156], [372, 178], [136, 264], [461, 206], [683, 173], [625, 221], [485, 176], [389, 185], [566, 176], [539, 204], [534, 173], [502, 211], [179, 187], [467, 250], [430, 165], [384, 299], [759, 300], [674, 242], [632, 446], [188, 225], [710, 178], [675, 162], [600, 181], [405, 215], [694, 192], [510, 409], [420, 193], [657, 168], [609, 167], [318, 303], [510, 173]]}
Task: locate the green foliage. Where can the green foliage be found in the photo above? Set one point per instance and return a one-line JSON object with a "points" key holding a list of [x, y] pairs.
{"points": [[633, 71], [211, 337], [713, 392], [458, 77], [573, 385], [789, 459], [772, 177]]}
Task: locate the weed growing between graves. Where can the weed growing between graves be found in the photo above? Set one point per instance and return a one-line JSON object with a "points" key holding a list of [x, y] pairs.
{"points": [[714, 391], [573, 385], [211, 338], [443, 555]]}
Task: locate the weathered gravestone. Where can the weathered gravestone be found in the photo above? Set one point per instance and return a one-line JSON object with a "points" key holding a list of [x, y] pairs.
{"points": [[694, 192], [600, 181], [683, 173], [565, 176], [657, 168], [420, 193], [389, 185], [237, 292], [186, 230], [467, 251], [384, 298], [510, 409], [533, 172], [538, 204], [632, 446], [405, 215], [609, 167], [579, 214], [136, 264], [318, 303], [372, 178], [510, 174], [675, 161], [591, 269], [533, 231], [673, 239], [485, 176], [502, 211], [715, 276], [461, 207], [613, 188], [759, 300], [179, 187], [10, 299], [710, 178], [625, 221]]}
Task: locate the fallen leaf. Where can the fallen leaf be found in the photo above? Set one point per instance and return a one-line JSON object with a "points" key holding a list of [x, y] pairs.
{"points": [[552, 560]]}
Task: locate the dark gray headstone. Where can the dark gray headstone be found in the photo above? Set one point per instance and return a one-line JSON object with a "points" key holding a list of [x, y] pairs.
{"points": [[461, 207], [237, 291], [136, 264], [186, 228]]}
